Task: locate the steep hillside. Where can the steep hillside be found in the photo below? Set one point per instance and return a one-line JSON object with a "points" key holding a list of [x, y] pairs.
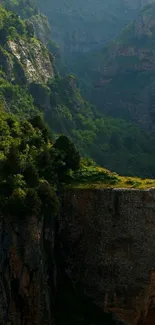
{"points": [[23, 60], [28, 10], [125, 72], [29, 82]]}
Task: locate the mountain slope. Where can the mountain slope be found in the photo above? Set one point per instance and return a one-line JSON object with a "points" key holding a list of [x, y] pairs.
{"points": [[28, 83], [125, 72], [23, 60]]}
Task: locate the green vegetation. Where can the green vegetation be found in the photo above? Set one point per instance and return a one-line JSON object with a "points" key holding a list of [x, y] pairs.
{"points": [[113, 143], [89, 175], [18, 51], [29, 165]]}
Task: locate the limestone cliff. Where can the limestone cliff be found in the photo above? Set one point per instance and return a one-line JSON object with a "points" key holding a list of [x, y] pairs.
{"points": [[107, 239], [33, 59]]}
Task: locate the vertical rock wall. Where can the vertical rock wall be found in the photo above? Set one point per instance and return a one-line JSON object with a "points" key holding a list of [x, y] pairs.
{"points": [[108, 242], [25, 294]]}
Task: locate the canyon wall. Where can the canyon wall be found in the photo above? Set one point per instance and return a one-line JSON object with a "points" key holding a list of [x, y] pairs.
{"points": [[108, 242]]}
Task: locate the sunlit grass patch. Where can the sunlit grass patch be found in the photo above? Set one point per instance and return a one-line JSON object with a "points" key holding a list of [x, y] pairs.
{"points": [[97, 177]]}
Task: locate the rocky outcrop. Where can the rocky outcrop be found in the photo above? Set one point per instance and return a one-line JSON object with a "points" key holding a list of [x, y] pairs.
{"points": [[26, 272], [33, 58], [41, 28], [107, 239]]}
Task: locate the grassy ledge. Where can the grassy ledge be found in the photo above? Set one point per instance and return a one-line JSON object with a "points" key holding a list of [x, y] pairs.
{"points": [[98, 177]]}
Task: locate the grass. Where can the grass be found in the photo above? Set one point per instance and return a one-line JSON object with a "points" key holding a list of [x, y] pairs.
{"points": [[97, 177]]}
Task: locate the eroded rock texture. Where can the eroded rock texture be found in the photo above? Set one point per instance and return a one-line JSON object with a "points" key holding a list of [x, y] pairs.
{"points": [[26, 272], [108, 242]]}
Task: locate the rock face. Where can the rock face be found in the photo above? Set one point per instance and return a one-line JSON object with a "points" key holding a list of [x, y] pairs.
{"points": [[106, 244], [32, 58], [107, 237], [25, 272], [41, 28]]}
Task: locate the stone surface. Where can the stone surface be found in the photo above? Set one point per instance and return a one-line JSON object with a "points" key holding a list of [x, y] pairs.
{"points": [[108, 241], [36, 64], [25, 293]]}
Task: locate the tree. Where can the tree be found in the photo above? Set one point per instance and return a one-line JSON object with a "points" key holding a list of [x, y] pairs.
{"points": [[71, 156], [31, 175]]}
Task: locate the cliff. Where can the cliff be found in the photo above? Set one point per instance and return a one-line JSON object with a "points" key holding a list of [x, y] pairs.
{"points": [[26, 282], [36, 64], [102, 258], [107, 240]]}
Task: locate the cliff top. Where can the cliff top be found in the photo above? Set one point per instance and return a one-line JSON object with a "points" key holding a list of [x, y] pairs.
{"points": [[91, 176]]}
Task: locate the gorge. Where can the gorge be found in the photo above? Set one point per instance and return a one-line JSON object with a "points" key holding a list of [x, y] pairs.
{"points": [[76, 240]]}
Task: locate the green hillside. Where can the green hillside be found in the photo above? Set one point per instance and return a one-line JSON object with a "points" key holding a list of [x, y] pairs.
{"points": [[26, 87]]}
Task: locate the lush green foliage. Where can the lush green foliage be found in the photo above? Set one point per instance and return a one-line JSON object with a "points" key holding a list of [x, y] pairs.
{"points": [[28, 165], [114, 143], [71, 156], [89, 175]]}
